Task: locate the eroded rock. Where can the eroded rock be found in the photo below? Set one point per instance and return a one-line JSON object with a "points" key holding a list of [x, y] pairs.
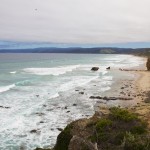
{"points": [[77, 143], [95, 68]]}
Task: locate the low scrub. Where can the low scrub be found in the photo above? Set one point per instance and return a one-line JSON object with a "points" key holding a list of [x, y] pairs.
{"points": [[119, 130]]}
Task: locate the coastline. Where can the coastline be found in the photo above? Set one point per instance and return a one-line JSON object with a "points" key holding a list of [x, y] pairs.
{"points": [[129, 86], [136, 88]]}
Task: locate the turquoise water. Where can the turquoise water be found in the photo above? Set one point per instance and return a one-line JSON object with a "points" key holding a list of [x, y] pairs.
{"points": [[37, 91]]}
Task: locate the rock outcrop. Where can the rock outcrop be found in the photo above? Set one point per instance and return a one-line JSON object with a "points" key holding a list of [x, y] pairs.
{"points": [[148, 64], [118, 129], [77, 143], [110, 98], [108, 68], [95, 68]]}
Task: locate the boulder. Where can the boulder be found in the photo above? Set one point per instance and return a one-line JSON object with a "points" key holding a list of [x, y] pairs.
{"points": [[95, 97], [74, 105], [81, 92], [33, 131], [59, 129], [108, 68], [148, 64], [78, 143], [95, 68]]}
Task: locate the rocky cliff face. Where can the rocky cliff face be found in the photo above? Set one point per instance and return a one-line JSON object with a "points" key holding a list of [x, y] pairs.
{"points": [[116, 129], [148, 64], [119, 130]]}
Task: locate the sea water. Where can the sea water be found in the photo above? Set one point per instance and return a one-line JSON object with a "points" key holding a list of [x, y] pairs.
{"points": [[41, 92]]}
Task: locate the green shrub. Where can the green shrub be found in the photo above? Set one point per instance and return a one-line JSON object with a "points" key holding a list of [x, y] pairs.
{"points": [[118, 138], [138, 130], [102, 124], [102, 137], [122, 115], [137, 144]]}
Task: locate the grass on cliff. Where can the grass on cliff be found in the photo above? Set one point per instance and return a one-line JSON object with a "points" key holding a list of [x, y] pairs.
{"points": [[121, 130]]}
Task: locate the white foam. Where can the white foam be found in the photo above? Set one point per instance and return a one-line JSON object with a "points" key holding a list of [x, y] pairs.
{"points": [[13, 72], [51, 71], [54, 96], [75, 82], [6, 88]]}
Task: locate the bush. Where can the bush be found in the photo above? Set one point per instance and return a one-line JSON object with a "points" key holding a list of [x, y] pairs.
{"points": [[122, 115], [102, 124], [132, 142], [118, 138], [138, 130]]}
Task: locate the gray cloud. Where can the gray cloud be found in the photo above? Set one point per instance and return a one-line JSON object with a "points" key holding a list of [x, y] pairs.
{"points": [[75, 21]]}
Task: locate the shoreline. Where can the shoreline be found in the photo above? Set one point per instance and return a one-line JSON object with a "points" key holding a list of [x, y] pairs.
{"points": [[126, 89], [136, 88], [139, 89], [78, 133], [143, 108]]}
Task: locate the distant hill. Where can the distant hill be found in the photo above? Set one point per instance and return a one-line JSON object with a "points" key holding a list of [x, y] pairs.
{"points": [[96, 50]]}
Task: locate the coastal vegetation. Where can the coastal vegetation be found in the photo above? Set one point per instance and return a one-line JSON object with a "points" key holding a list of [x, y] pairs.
{"points": [[119, 129]]}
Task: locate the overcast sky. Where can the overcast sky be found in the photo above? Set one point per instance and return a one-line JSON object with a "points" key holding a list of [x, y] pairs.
{"points": [[75, 21]]}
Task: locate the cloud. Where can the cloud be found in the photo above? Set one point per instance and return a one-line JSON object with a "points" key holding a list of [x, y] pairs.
{"points": [[75, 21]]}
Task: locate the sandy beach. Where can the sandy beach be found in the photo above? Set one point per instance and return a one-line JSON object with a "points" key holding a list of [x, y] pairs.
{"points": [[143, 107], [133, 94], [138, 89]]}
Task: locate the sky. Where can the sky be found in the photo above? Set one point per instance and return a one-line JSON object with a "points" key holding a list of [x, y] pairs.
{"points": [[75, 21]]}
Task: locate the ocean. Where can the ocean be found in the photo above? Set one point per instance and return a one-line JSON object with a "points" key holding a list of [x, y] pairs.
{"points": [[40, 93]]}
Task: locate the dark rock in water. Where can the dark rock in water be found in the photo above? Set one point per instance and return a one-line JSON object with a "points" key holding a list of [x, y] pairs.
{"points": [[95, 68], [81, 92], [4, 107], [148, 64], [41, 121], [68, 111], [95, 97], [40, 114], [37, 95], [105, 98], [59, 129], [49, 109], [7, 107], [108, 68], [65, 107], [74, 105], [110, 98], [76, 90], [33, 131]]}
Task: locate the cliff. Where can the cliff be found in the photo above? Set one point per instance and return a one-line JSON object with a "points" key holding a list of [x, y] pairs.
{"points": [[119, 129]]}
